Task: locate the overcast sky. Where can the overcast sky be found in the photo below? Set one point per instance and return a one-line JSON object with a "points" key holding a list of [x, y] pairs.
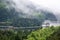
{"points": [[53, 5]]}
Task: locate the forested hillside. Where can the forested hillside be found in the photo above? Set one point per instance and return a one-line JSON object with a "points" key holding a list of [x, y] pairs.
{"points": [[21, 14], [50, 33], [21, 19]]}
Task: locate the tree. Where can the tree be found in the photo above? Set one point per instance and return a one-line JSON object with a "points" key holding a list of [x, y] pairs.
{"points": [[42, 34]]}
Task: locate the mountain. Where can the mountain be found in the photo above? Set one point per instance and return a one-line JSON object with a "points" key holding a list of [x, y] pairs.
{"points": [[19, 13], [49, 15]]}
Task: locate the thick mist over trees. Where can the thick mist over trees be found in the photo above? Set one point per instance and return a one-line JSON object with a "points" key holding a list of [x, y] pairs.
{"points": [[15, 14], [23, 19]]}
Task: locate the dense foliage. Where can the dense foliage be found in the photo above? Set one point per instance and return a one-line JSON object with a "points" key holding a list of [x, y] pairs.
{"points": [[11, 15], [55, 35], [12, 35], [50, 33]]}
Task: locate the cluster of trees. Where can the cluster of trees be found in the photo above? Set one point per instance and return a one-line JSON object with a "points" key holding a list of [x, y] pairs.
{"points": [[24, 22], [11, 15], [55, 35], [13, 35], [50, 33]]}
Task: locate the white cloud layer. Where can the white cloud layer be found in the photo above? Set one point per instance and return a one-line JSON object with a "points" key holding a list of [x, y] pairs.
{"points": [[54, 5]]}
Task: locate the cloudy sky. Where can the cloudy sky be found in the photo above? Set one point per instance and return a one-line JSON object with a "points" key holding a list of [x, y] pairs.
{"points": [[53, 5]]}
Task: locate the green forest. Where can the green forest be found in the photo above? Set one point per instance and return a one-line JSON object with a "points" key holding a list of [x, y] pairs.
{"points": [[10, 17], [49, 33]]}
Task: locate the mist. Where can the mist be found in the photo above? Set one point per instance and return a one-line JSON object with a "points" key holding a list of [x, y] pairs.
{"points": [[20, 5], [30, 7]]}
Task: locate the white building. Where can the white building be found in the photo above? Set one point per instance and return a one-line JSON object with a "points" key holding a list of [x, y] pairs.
{"points": [[48, 23]]}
